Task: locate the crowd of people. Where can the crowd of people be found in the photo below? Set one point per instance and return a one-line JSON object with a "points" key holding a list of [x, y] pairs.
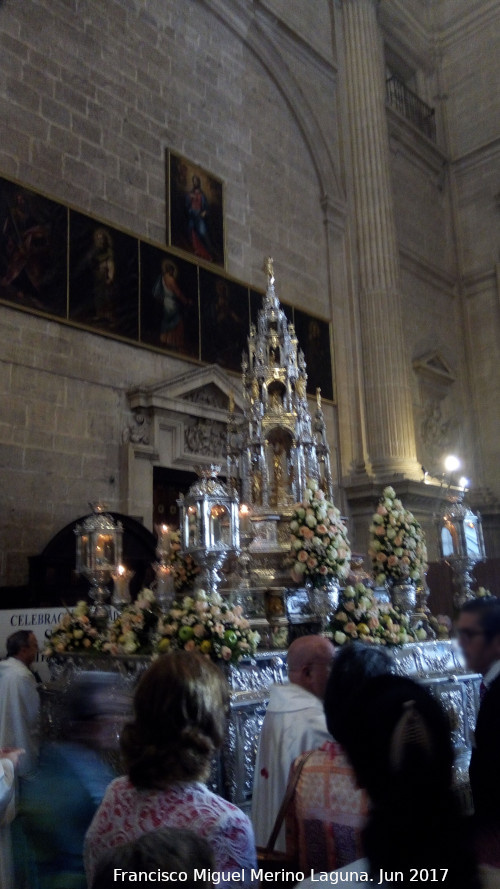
{"points": [[362, 758]]}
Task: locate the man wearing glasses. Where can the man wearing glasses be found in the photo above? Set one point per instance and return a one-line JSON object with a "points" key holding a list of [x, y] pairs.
{"points": [[478, 631]]}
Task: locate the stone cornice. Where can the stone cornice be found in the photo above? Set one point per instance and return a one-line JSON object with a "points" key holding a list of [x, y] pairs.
{"points": [[465, 25], [481, 280], [416, 495], [425, 270], [405, 34], [415, 146], [476, 157]]}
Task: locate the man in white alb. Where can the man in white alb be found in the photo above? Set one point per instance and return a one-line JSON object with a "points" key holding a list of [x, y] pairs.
{"points": [[19, 701], [294, 722]]}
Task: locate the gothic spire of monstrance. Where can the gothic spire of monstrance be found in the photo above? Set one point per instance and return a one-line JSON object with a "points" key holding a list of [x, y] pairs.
{"points": [[279, 450]]}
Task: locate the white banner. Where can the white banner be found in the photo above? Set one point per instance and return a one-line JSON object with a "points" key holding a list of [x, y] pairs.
{"points": [[38, 621]]}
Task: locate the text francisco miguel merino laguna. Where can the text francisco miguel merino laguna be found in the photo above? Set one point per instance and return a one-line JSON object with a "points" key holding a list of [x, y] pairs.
{"points": [[205, 875]]}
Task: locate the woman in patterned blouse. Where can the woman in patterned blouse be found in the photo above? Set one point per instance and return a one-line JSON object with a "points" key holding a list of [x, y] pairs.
{"points": [[179, 722]]}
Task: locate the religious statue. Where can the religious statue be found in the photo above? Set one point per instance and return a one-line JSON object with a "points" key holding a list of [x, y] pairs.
{"points": [[257, 487], [255, 390], [276, 403], [269, 268], [300, 387], [318, 397], [280, 486]]}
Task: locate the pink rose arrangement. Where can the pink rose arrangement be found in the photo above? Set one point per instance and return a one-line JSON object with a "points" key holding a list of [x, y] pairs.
{"points": [[397, 545], [209, 624], [318, 537], [76, 632]]}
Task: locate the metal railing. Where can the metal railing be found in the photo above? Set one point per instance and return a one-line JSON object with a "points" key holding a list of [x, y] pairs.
{"points": [[411, 106]]}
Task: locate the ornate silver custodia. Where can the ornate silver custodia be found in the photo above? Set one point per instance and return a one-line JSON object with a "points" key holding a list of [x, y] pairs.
{"points": [[274, 447], [209, 525], [98, 555], [462, 545]]}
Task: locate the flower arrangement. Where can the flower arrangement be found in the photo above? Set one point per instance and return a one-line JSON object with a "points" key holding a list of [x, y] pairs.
{"points": [[397, 546], [132, 631], [319, 543], [185, 567], [75, 633], [208, 624], [441, 624], [482, 593], [360, 616]]}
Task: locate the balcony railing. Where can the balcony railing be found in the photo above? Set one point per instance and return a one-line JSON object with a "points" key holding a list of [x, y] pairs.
{"points": [[411, 106]]}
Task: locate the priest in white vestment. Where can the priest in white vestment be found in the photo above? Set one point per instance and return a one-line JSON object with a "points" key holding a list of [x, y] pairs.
{"points": [[294, 722], [19, 701]]}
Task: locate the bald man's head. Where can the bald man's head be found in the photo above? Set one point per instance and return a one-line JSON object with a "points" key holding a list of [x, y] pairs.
{"points": [[309, 662]]}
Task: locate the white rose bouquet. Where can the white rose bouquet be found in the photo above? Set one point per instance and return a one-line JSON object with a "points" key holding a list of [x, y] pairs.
{"points": [[75, 633], [319, 543], [133, 629], [397, 546], [207, 624], [360, 616]]}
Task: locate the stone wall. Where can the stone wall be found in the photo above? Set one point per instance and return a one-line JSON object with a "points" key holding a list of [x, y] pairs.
{"points": [[93, 94], [471, 81]]}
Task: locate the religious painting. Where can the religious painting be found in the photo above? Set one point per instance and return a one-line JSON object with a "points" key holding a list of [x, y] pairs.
{"points": [[169, 302], [314, 339], [33, 249], [195, 212], [104, 277], [224, 312]]}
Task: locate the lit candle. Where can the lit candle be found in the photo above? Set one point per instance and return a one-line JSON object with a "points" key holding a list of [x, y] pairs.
{"points": [[163, 532], [244, 519], [121, 579]]}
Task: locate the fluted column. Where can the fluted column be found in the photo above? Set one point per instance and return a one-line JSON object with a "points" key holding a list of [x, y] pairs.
{"points": [[390, 435]]}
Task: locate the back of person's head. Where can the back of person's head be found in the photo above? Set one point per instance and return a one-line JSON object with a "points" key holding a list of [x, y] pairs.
{"points": [[168, 850], [487, 611], [398, 740], [309, 661], [353, 666], [179, 721], [17, 641]]}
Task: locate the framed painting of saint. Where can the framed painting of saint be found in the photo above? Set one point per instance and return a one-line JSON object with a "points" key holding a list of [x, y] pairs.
{"points": [[314, 336], [225, 319], [195, 210], [169, 302], [104, 277], [33, 250]]}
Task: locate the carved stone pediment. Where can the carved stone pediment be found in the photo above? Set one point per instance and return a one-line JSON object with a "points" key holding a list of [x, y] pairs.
{"points": [[183, 420], [434, 369], [204, 392]]}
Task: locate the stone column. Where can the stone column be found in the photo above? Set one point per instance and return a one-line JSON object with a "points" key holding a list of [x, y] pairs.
{"points": [[389, 434]]}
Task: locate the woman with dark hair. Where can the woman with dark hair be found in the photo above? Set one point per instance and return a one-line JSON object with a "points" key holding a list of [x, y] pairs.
{"points": [[179, 722], [397, 738]]}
